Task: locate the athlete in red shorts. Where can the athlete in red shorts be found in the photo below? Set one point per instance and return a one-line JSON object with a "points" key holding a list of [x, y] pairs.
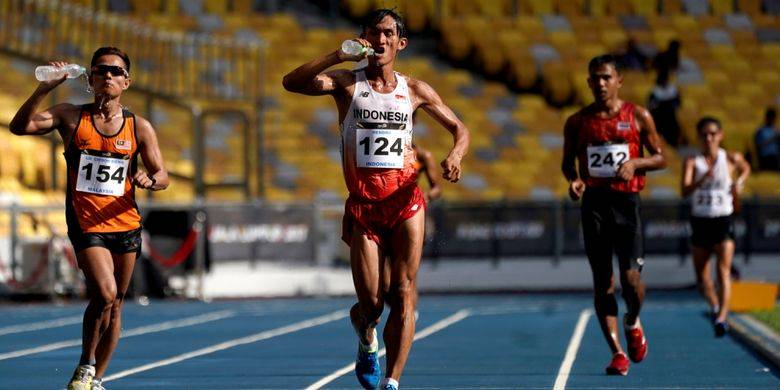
{"points": [[384, 214], [608, 139]]}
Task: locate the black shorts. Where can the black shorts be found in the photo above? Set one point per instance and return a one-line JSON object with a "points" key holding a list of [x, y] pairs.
{"points": [[119, 242], [707, 232], [611, 224]]}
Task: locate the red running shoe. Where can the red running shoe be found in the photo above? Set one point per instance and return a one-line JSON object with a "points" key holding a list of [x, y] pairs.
{"points": [[618, 365], [637, 344]]}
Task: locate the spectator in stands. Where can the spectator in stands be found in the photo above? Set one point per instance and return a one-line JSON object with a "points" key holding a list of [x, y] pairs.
{"points": [[102, 143], [668, 60], [385, 212], [663, 103], [767, 141], [634, 58]]}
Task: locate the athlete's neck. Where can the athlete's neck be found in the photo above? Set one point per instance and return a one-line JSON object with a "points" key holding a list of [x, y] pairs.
{"points": [[609, 107], [710, 153], [381, 77], [106, 108]]}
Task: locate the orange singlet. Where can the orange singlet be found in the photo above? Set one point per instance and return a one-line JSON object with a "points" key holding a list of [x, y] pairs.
{"points": [[100, 193]]}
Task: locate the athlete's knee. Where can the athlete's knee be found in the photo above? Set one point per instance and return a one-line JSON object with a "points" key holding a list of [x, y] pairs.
{"points": [[105, 294], [402, 295], [603, 284]]}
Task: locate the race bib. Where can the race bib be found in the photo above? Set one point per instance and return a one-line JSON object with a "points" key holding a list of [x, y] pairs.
{"points": [[604, 160], [380, 148], [711, 202], [102, 175]]}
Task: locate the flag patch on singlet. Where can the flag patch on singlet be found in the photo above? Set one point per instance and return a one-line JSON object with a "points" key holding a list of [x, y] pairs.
{"points": [[400, 97], [122, 144], [622, 126]]}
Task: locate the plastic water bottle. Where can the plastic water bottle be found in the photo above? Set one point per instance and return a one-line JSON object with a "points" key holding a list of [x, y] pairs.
{"points": [[355, 48], [48, 72]]}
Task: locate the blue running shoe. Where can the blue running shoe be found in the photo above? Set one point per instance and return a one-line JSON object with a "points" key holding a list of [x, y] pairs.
{"points": [[367, 367]]}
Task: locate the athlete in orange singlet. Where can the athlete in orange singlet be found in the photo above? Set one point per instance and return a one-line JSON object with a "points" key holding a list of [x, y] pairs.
{"points": [[102, 142], [607, 138], [384, 215]]}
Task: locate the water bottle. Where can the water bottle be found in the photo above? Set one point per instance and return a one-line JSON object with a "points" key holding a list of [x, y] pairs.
{"points": [[48, 72], [355, 48]]}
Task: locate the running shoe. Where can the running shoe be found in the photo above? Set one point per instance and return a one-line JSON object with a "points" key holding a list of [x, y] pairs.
{"points": [[637, 343], [82, 378], [390, 386], [721, 328], [97, 384], [618, 365], [367, 366]]}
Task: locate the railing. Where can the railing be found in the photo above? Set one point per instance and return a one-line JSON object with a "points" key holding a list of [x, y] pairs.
{"points": [[186, 239], [174, 64]]}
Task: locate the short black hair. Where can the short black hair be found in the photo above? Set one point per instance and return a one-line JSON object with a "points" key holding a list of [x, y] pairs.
{"points": [[376, 16], [706, 121], [110, 50], [770, 115], [605, 59]]}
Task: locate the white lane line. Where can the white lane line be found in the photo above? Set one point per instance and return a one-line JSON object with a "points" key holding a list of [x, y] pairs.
{"points": [[337, 315], [162, 326], [458, 316], [571, 351], [48, 324]]}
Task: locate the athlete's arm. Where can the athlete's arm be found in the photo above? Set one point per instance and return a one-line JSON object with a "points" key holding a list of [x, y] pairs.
{"points": [[424, 96], [650, 141], [742, 167], [311, 78], [576, 185], [687, 184], [156, 177], [28, 122], [431, 172]]}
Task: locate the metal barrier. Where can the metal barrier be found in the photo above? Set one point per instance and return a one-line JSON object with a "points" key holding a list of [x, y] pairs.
{"points": [[309, 234]]}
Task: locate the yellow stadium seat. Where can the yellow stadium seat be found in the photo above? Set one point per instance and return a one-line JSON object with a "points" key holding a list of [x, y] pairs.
{"points": [[721, 7]]}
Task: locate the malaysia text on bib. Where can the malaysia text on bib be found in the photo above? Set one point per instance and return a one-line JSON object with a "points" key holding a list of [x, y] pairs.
{"points": [[102, 175], [604, 160], [380, 148]]}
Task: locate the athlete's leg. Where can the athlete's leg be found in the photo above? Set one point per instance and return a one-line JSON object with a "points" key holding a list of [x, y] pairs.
{"points": [[98, 268], [598, 247], [725, 253], [123, 273], [633, 293], [407, 243], [366, 259], [701, 264]]}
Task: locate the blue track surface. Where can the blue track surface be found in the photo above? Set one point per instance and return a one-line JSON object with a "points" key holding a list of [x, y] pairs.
{"points": [[505, 341]]}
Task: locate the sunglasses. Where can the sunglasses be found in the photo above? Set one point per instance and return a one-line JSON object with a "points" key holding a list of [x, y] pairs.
{"points": [[102, 70]]}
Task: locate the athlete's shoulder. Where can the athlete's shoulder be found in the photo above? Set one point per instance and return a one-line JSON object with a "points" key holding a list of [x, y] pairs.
{"points": [[639, 111]]}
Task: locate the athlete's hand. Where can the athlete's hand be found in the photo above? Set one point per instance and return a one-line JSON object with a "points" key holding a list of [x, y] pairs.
{"points": [[348, 57], [451, 168], [626, 170], [576, 189], [51, 84], [143, 180]]}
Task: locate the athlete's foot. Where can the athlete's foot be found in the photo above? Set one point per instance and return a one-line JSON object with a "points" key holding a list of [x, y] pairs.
{"points": [[389, 384], [367, 366], [637, 343], [82, 378], [721, 328], [618, 365], [97, 384]]}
